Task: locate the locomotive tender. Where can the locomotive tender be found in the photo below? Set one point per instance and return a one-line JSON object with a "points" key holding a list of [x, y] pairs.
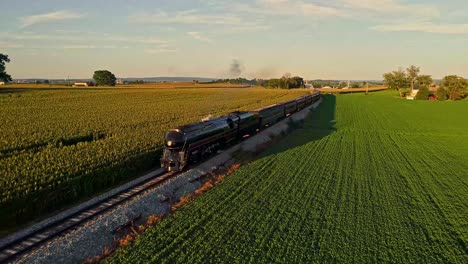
{"points": [[192, 142]]}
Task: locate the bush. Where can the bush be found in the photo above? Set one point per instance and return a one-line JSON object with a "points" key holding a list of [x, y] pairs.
{"points": [[441, 94], [423, 93], [456, 95]]}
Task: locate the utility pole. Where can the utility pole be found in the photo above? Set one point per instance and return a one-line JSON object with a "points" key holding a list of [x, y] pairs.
{"points": [[367, 88]]}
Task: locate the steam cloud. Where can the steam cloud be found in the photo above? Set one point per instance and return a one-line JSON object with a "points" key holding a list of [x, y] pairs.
{"points": [[287, 75], [236, 68]]}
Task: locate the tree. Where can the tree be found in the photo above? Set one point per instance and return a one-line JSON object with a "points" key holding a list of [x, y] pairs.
{"points": [[412, 72], [104, 77], [424, 81], [342, 85], [4, 76], [272, 83], [396, 80], [283, 83], [441, 94], [455, 86], [296, 82], [423, 93]]}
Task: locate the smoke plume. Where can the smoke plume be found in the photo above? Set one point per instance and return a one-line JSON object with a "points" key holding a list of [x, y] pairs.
{"points": [[236, 68]]}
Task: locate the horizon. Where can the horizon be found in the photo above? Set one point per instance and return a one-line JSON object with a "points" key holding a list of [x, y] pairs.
{"points": [[328, 40], [192, 77]]}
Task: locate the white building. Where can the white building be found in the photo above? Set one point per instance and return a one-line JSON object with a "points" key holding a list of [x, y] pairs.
{"points": [[83, 84], [2, 83], [308, 84]]}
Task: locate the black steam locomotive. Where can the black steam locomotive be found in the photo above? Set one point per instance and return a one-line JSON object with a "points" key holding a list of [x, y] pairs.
{"points": [[193, 142]]}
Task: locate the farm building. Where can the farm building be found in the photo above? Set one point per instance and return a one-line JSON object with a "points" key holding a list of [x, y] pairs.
{"points": [[412, 95], [82, 84], [2, 83], [308, 84]]}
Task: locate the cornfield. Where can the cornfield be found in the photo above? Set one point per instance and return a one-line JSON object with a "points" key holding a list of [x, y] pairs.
{"points": [[58, 146]]}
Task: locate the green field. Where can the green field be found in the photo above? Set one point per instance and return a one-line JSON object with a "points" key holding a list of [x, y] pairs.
{"points": [[368, 179], [58, 146]]}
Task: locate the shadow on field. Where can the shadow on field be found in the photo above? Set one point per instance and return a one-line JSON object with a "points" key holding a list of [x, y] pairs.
{"points": [[319, 124]]}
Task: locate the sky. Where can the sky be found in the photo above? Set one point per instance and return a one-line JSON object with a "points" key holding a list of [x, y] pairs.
{"points": [[315, 39]]}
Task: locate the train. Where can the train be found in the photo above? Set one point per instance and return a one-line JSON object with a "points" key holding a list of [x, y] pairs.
{"points": [[191, 143]]}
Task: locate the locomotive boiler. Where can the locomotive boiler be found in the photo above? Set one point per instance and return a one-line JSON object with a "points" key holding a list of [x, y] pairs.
{"points": [[193, 142]]}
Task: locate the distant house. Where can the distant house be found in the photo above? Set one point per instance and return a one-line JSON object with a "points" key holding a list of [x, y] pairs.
{"points": [[433, 88], [308, 84], [82, 84], [2, 83]]}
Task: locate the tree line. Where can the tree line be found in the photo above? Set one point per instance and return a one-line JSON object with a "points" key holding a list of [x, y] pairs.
{"points": [[101, 77], [407, 80], [285, 83], [452, 87], [239, 80]]}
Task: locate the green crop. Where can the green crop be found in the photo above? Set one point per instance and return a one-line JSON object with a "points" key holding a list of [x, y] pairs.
{"points": [[368, 179], [58, 146]]}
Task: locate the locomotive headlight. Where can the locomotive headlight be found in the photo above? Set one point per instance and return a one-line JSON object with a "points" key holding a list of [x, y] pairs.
{"points": [[169, 143]]}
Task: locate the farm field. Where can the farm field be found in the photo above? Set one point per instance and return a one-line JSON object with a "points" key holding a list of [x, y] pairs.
{"points": [[368, 179], [60, 145], [162, 85]]}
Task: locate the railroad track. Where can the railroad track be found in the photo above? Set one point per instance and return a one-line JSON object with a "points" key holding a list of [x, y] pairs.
{"points": [[22, 242]]}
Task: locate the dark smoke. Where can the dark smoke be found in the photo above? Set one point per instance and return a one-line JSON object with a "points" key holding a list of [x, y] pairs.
{"points": [[236, 68]]}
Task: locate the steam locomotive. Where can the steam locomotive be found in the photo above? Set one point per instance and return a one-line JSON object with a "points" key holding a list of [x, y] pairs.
{"points": [[192, 143]]}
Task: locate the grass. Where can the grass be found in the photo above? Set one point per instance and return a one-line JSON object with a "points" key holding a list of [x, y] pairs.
{"points": [[373, 88], [368, 179], [58, 146]]}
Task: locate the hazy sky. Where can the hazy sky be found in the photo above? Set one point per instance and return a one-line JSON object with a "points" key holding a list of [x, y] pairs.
{"points": [[342, 39]]}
